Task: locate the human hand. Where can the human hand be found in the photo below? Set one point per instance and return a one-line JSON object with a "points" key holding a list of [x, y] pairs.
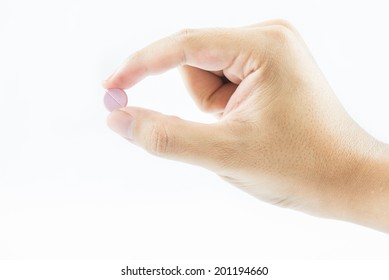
{"points": [[282, 135]]}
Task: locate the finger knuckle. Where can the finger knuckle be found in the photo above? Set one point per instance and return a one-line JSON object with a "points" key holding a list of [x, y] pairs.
{"points": [[285, 23], [280, 34], [184, 35], [158, 141], [185, 32]]}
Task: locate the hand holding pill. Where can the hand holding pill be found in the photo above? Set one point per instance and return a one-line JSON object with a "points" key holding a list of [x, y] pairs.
{"points": [[282, 135]]}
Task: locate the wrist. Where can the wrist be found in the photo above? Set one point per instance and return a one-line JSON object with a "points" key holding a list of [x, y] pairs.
{"points": [[366, 196]]}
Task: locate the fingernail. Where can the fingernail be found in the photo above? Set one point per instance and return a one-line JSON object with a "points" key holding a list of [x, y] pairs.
{"points": [[109, 77], [121, 122]]}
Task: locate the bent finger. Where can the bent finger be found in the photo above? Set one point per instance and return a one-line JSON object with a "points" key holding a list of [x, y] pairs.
{"points": [[208, 49], [209, 91]]}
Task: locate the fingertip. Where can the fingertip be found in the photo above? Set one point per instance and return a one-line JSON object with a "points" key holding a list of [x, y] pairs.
{"points": [[105, 84], [108, 84], [119, 80], [112, 117], [120, 122]]}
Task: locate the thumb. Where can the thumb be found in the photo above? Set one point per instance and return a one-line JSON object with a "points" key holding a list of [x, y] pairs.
{"points": [[172, 137]]}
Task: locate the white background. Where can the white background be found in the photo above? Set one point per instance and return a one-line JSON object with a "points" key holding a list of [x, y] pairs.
{"points": [[72, 189]]}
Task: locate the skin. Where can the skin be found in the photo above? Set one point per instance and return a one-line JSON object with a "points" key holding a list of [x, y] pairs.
{"points": [[282, 134]]}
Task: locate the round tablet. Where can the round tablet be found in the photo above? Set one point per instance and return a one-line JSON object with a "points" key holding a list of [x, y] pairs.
{"points": [[115, 98]]}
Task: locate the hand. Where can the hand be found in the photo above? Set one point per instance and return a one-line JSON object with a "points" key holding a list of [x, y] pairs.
{"points": [[282, 135]]}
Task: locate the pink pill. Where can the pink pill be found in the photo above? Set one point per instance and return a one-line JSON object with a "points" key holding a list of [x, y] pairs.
{"points": [[115, 98]]}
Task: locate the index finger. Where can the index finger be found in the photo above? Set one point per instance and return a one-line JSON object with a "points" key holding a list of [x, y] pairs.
{"points": [[209, 49]]}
